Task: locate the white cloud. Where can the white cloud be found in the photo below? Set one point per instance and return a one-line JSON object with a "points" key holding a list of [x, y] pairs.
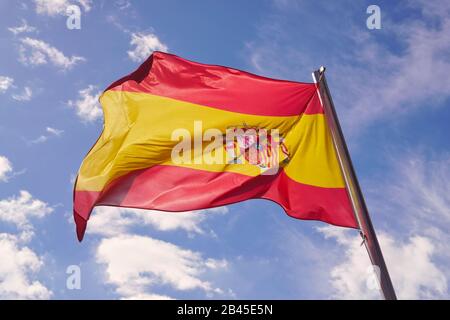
{"points": [[55, 132], [18, 268], [390, 82], [20, 265], [123, 4], [394, 86], [5, 168], [5, 83], [135, 264], [44, 138], [26, 95], [410, 263], [144, 45], [87, 106], [216, 264], [167, 221], [37, 52], [114, 20], [51, 7], [421, 186], [58, 7], [146, 296], [38, 140], [108, 221], [417, 185], [86, 4], [23, 28], [19, 210], [418, 257]]}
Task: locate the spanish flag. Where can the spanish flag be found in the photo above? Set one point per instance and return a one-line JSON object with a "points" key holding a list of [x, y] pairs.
{"points": [[160, 147]]}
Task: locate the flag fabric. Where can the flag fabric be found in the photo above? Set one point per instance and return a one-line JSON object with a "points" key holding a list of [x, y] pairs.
{"points": [[132, 164]]}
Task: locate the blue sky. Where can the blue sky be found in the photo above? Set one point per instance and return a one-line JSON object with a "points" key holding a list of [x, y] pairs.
{"points": [[391, 88]]}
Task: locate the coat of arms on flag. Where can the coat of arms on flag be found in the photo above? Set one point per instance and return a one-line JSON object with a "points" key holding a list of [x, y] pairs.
{"points": [[257, 146]]}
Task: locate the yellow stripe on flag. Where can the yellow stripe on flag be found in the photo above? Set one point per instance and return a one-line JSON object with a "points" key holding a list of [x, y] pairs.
{"points": [[138, 133]]}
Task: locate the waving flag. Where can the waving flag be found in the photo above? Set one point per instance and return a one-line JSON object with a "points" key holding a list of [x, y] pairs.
{"points": [[167, 99]]}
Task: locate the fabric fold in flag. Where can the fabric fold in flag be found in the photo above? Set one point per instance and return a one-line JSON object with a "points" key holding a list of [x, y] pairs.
{"points": [[281, 149]]}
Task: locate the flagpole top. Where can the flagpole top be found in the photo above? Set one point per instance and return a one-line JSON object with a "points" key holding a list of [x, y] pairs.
{"points": [[318, 74]]}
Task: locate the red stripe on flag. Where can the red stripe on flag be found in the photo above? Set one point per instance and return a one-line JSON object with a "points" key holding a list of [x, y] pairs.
{"points": [[219, 87], [172, 188]]}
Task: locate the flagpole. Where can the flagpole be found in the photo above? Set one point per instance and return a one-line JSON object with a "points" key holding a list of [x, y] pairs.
{"points": [[353, 188]]}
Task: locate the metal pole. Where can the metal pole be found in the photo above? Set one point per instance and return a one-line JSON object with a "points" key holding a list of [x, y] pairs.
{"points": [[353, 188]]}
